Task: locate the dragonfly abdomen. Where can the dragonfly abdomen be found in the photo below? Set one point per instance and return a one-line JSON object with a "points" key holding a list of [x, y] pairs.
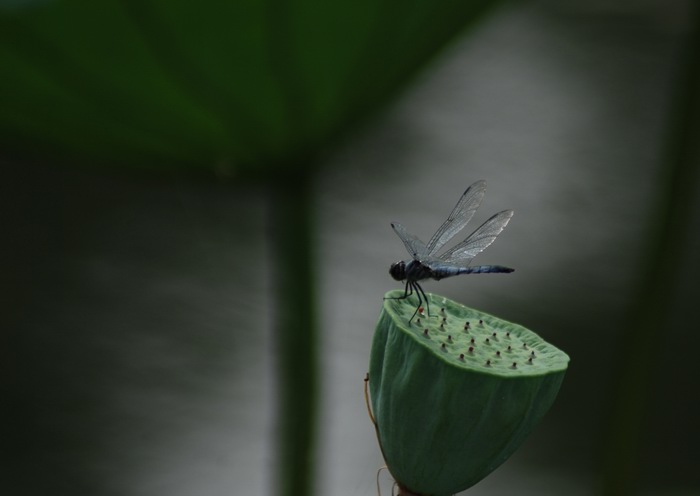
{"points": [[442, 272], [486, 269]]}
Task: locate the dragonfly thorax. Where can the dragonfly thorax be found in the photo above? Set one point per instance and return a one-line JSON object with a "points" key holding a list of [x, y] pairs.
{"points": [[411, 271], [416, 271]]}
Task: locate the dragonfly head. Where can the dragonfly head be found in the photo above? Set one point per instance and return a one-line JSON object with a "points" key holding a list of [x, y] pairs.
{"points": [[398, 270]]}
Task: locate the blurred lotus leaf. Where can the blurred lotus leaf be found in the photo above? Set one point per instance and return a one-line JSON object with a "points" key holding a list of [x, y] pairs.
{"points": [[228, 85]]}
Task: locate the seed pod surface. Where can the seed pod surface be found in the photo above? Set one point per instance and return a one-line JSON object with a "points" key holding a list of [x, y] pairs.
{"points": [[452, 403]]}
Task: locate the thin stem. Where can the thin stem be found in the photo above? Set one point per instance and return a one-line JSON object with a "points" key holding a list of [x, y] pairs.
{"points": [[295, 333]]}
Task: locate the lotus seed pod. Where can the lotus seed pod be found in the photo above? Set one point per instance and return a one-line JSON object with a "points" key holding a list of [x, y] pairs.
{"points": [[455, 393]]}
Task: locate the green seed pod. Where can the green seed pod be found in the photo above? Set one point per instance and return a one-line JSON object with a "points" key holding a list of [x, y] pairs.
{"points": [[454, 394]]}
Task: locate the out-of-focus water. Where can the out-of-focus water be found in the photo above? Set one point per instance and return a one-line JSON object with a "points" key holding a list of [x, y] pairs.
{"points": [[139, 346], [138, 338]]}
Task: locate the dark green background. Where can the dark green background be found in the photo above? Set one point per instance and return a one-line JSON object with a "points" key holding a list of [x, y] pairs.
{"points": [[139, 141]]}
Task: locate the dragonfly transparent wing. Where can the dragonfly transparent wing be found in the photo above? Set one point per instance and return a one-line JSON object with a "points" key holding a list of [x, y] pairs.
{"points": [[414, 245], [477, 241], [460, 217]]}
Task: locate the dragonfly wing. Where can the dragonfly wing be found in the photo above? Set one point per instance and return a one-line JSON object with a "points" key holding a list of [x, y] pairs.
{"points": [[460, 216], [414, 245], [478, 241]]}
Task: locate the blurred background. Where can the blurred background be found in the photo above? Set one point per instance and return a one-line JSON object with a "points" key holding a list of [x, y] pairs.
{"points": [[139, 353]]}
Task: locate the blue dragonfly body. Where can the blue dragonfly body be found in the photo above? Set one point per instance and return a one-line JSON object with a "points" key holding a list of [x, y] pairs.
{"points": [[426, 264]]}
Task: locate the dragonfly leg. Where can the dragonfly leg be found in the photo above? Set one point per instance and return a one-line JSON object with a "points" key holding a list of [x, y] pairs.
{"points": [[417, 306], [406, 293], [420, 291], [421, 298]]}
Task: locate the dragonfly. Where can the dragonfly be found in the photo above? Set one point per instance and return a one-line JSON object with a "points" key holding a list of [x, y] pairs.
{"points": [[425, 263]]}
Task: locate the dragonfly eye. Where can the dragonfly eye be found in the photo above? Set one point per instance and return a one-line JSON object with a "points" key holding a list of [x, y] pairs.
{"points": [[398, 271]]}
